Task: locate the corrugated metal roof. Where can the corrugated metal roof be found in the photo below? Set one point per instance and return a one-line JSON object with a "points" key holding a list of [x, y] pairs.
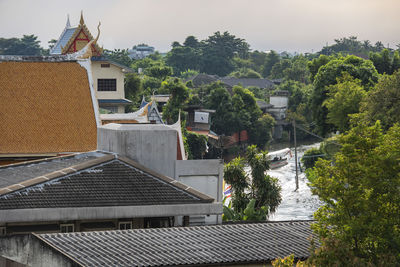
{"points": [[218, 244], [62, 41]]}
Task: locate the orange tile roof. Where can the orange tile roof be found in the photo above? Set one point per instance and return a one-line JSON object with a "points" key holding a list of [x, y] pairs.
{"points": [[45, 107]]}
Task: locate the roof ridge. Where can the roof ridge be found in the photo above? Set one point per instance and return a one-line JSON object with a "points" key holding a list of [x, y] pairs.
{"points": [[56, 174], [180, 228]]}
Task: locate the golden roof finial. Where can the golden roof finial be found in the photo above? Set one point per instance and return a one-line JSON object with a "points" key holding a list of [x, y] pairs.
{"points": [[81, 22]]}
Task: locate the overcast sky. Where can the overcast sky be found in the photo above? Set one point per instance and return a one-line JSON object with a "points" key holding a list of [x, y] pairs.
{"points": [[291, 25]]}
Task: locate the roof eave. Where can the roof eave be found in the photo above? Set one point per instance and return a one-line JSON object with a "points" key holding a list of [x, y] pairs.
{"points": [[108, 212]]}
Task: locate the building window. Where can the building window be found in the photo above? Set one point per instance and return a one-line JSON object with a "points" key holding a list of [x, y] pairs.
{"points": [[111, 109], [66, 228], [107, 85], [107, 65], [125, 225], [3, 231]]}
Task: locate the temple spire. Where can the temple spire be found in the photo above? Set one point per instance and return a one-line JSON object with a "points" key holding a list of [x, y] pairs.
{"points": [[81, 21], [68, 23]]}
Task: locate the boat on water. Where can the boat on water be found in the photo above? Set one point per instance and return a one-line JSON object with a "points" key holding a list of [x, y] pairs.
{"points": [[279, 158]]}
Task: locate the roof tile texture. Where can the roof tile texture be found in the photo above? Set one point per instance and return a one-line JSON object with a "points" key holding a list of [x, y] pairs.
{"points": [[205, 245], [112, 183], [45, 107]]}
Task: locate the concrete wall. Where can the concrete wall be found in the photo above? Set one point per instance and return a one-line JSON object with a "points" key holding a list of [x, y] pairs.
{"points": [[205, 176], [28, 250], [278, 101], [154, 146]]}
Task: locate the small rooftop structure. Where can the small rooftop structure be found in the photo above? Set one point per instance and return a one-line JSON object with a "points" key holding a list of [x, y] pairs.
{"points": [[231, 244]]}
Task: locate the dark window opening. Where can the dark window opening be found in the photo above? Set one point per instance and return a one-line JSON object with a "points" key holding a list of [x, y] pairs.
{"points": [[106, 85]]}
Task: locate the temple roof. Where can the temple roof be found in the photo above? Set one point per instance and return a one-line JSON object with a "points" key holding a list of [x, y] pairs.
{"points": [[50, 95], [65, 42]]}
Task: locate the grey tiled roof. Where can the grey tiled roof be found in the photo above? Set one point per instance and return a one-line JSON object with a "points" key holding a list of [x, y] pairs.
{"points": [[205, 245], [111, 183], [247, 82], [17, 173]]}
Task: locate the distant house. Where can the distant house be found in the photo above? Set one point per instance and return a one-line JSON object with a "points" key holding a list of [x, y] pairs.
{"points": [[251, 244], [47, 107], [248, 82], [141, 51], [108, 76], [94, 191], [279, 103], [229, 82]]}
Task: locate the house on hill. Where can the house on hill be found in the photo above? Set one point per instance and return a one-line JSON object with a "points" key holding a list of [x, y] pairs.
{"points": [[108, 76]]}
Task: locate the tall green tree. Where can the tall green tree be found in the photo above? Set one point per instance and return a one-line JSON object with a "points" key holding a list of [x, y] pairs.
{"points": [[219, 99], [327, 75], [183, 58], [272, 58], [218, 52], [361, 194], [344, 99], [28, 45], [179, 95], [120, 56], [383, 102], [382, 61], [133, 90]]}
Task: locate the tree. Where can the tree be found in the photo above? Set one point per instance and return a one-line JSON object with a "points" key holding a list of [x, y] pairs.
{"points": [[27, 45], [264, 192], [246, 73], [179, 94], [133, 89], [218, 52], [360, 190], [246, 110], [271, 59], [159, 71], [182, 58], [52, 43], [344, 99], [192, 42], [261, 131], [219, 99], [120, 56], [382, 61], [383, 102], [197, 144], [327, 75]]}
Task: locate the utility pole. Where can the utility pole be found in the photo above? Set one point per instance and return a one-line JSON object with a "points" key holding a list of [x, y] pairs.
{"points": [[295, 154]]}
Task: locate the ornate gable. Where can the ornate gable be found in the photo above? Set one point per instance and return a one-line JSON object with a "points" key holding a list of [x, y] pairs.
{"points": [[79, 39]]}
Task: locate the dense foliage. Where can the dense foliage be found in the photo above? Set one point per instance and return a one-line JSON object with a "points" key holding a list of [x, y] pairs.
{"points": [[361, 192], [263, 191], [27, 45]]}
